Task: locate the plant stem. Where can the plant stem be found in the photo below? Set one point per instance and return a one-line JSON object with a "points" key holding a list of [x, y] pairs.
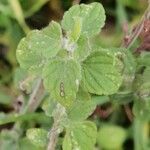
{"points": [[141, 136], [130, 40], [35, 97], [58, 114], [134, 35], [18, 13], [33, 103]]}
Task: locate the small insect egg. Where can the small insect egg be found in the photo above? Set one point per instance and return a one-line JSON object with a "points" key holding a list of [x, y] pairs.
{"points": [[62, 94]]}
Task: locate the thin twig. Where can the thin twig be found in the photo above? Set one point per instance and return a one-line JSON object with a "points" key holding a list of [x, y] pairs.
{"points": [[134, 35], [59, 114], [127, 44], [35, 97], [33, 103], [53, 137], [128, 112]]}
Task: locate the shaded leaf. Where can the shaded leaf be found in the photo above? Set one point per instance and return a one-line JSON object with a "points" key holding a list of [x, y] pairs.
{"points": [[99, 100], [67, 143], [144, 58], [5, 98], [111, 137], [8, 118], [48, 106], [31, 6], [25, 144], [81, 110], [141, 109]]}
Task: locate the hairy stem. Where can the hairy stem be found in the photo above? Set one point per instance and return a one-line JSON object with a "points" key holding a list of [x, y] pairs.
{"points": [[58, 114]]}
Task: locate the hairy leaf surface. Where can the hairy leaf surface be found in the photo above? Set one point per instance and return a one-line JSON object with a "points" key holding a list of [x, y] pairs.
{"points": [[37, 136], [34, 50], [61, 78], [92, 16], [81, 110], [81, 136], [100, 74]]}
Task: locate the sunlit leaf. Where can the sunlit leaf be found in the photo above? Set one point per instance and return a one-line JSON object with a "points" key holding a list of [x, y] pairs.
{"points": [[37, 136], [61, 78], [92, 17], [34, 50], [81, 136], [100, 74], [81, 110]]}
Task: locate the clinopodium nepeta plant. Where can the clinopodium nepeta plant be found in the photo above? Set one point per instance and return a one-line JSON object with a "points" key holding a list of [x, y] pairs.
{"points": [[74, 69]]}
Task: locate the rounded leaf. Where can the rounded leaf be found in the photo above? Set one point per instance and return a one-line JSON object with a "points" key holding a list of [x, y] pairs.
{"points": [[61, 78], [81, 110], [100, 74], [111, 137], [81, 136], [91, 15], [34, 50], [37, 136]]}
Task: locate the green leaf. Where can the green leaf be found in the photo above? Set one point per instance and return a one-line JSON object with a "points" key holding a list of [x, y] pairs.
{"points": [[129, 69], [19, 75], [61, 78], [8, 139], [9, 144], [48, 106], [83, 95], [92, 17], [122, 97], [24, 81], [8, 118], [111, 137], [37, 136], [100, 100], [34, 50], [82, 136], [81, 109], [83, 49], [144, 58], [25, 144], [76, 31], [142, 84], [141, 109], [129, 63], [100, 74], [31, 6], [67, 143], [5, 98]]}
